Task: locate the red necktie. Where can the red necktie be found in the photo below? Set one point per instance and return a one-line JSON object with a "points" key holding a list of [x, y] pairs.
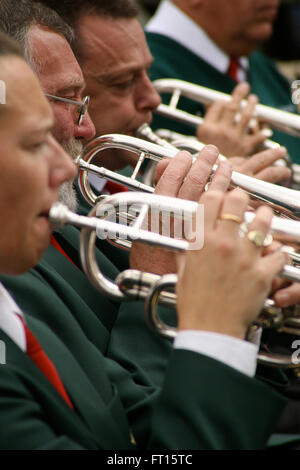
{"points": [[39, 357], [56, 245], [233, 69], [113, 187]]}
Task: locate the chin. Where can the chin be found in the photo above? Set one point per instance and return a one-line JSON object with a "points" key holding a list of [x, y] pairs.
{"points": [[261, 33], [15, 269], [22, 257]]}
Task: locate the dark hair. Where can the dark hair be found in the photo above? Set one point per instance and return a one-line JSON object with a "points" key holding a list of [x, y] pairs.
{"points": [[18, 16], [71, 10]]}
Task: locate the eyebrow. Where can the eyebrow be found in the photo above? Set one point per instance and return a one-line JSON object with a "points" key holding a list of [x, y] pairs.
{"points": [[114, 76], [76, 84], [121, 73]]}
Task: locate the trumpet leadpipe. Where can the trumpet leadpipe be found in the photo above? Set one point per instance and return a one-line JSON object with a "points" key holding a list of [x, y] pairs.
{"points": [[102, 172], [186, 118], [60, 215], [278, 119]]}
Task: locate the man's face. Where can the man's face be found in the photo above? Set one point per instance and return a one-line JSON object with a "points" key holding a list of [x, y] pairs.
{"points": [[32, 168], [238, 25], [115, 60], [60, 75]]}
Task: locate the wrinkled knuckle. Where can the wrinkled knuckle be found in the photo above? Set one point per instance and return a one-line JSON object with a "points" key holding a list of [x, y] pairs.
{"points": [[184, 156], [196, 179], [212, 196], [274, 173], [259, 159], [247, 114], [259, 137], [262, 222], [233, 106], [237, 197], [172, 176], [225, 248]]}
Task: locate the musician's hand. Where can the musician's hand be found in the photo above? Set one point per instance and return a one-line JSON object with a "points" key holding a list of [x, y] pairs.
{"points": [[223, 286], [221, 128], [179, 177], [260, 165], [285, 293]]}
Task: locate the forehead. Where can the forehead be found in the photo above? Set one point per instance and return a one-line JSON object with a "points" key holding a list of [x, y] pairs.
{"points": [[26, 105], [113, 45], [58, 68]]}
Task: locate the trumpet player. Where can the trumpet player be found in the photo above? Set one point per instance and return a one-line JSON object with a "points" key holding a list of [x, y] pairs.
{"points": [[58, 392]]}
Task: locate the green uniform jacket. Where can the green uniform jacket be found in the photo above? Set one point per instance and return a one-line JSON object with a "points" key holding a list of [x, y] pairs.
{"points": [[56, 277], [172, 60], [119, 257], [206, 405]]}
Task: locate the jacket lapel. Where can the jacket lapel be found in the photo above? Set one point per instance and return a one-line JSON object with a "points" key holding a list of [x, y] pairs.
{"points": [[96, 428]]}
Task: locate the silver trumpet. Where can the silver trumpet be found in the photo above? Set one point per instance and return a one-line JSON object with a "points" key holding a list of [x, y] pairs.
{"points": [[283, 200], [277, 119], [133, 285]]}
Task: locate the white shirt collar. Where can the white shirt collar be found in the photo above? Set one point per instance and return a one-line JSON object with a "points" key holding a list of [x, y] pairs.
{"points": [[172, 22], [10, 323]]}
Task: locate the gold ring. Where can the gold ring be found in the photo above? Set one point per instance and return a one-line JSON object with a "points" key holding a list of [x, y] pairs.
{"points": [[259, 238], [232, 217]]}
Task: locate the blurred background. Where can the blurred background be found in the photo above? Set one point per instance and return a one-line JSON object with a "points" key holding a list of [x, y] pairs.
{"points": [[283, 46]]}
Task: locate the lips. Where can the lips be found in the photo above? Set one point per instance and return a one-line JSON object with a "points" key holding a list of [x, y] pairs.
{"points": [[146, 120], [45, 212], [269, 12]]}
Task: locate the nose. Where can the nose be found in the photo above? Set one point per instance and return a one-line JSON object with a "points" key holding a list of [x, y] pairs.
{"points": [[62, 167], [86, 130], [147, 98]]}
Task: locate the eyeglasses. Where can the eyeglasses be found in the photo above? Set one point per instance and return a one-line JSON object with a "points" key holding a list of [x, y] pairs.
{"points": [[82, 107]]}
